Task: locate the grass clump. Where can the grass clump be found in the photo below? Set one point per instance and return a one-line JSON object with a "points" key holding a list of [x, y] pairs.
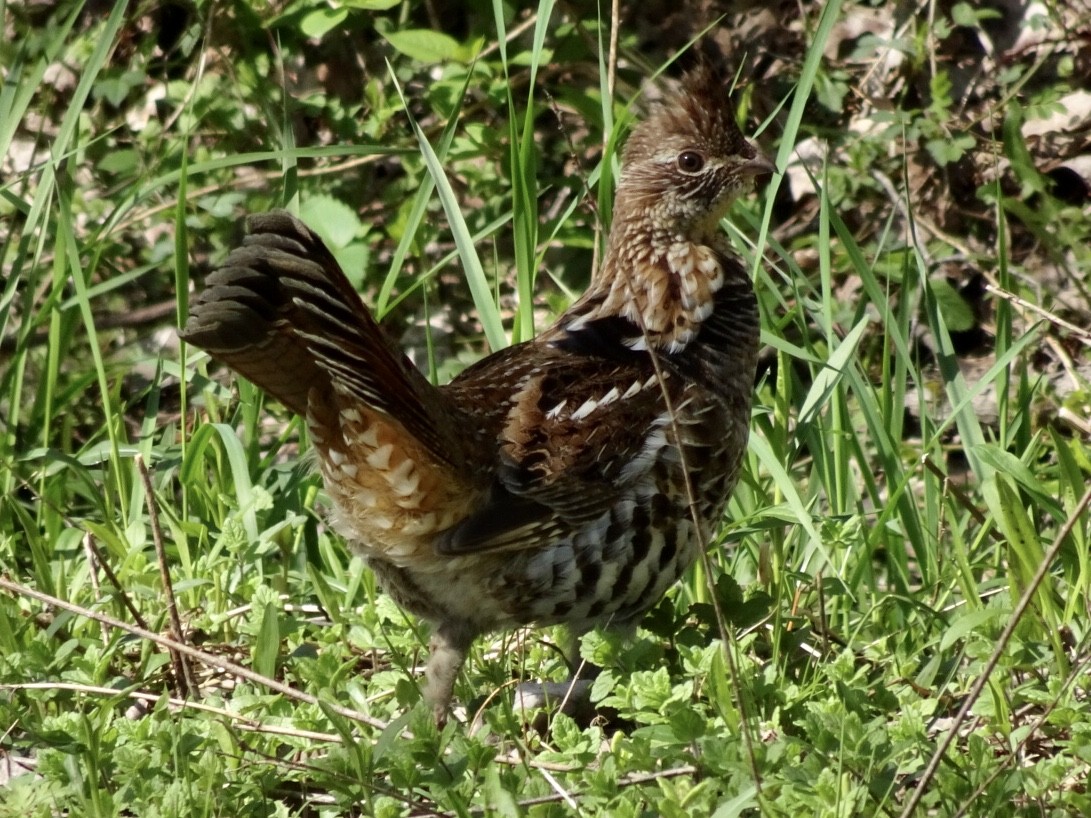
{"points": [[904, 571]]}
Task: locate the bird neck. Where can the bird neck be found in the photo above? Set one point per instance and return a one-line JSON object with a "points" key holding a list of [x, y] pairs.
{"points": [[662, 280]]}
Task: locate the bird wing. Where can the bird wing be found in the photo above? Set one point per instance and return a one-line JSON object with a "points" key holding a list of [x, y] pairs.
{"points": [[574, 436]]}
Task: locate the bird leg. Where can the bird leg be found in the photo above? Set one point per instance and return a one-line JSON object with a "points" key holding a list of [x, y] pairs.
{"points": [[448, 647]]}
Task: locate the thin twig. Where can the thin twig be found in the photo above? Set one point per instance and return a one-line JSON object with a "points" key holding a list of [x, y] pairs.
{"points": [[562, 793], [1032, 732], [183, 675], [177, 704], [90, 552], [1001, 645], [627, 781], [1081, 333], [512, 33], [101, 562], [962, 497], [138, 316], [201, 656]]}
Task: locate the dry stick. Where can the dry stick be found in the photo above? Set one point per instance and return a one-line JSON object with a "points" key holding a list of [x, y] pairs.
{"points": [[822, 613], [574, 154], [201, 656], [512, 33], [991, 284], [627, 781], [101, 562], [961, 496], [175, 704], [253, 725], [310, 799], [152, 314], [90, 553], [272, 175], [611, 71], [1032, 732], [96, 560], [183, 674], [994, 659], [192, 193], [194, 85], [562, 794], [1081, 333]]}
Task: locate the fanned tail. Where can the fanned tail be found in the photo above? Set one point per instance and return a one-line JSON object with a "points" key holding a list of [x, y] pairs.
{"points": [[281, 313]]}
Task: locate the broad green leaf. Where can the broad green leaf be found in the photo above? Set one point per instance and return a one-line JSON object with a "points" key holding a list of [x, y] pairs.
{"points": [[267, 644], [119, 161], [745, 803], [331, 219], [963, 14], [966, 14], [320, 21], [956, 312], [426, 46], [969, 621], [949, 149]]}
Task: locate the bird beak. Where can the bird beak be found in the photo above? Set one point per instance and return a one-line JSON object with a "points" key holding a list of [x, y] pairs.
{"points": [[758, 166]]}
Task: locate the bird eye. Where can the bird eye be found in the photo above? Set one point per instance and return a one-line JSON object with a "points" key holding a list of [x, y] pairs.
{"points": [[690, 161]]}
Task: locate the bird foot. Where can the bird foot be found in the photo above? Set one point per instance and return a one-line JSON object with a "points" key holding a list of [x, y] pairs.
{"points": [[536, 703], [571, 697]]}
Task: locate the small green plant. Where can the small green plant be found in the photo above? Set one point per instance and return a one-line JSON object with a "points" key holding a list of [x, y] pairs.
{"points": [[894, 619]]}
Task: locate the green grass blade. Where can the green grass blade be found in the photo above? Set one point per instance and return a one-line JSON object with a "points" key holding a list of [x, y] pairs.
{"points": [[488, 313]]}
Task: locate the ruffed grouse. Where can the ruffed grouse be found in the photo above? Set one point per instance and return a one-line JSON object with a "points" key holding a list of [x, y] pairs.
{"points": [[569, 479]]}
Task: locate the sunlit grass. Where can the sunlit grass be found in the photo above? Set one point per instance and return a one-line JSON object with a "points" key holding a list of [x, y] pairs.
{"points": [[870, 565]]}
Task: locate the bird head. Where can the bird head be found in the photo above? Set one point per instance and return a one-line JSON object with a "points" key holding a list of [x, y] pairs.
{"points": [[687, 160]]}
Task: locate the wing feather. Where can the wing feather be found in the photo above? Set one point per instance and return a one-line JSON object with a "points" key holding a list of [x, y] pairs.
{"points": [[574, 438]]}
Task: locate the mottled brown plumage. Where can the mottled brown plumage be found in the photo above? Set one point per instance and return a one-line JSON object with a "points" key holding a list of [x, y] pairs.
{"points": [[569, 479]]}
